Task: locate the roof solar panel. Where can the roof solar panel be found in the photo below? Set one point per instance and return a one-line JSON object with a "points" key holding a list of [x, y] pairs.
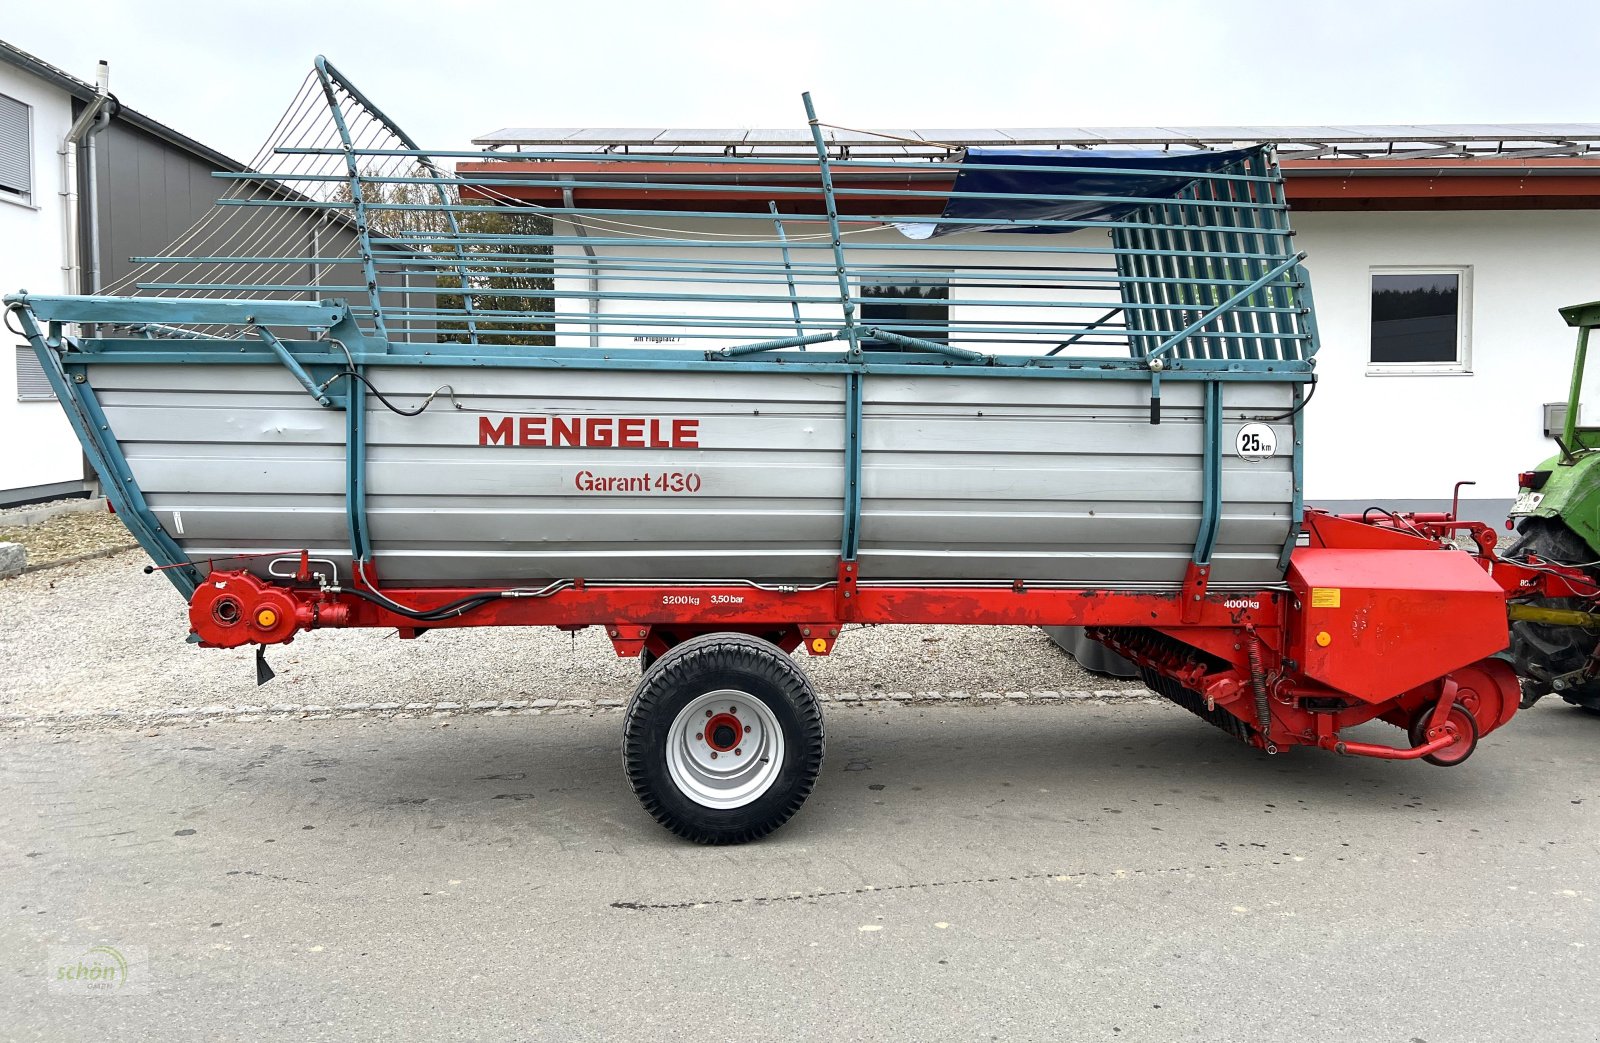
{"points": [[1344, 139]]}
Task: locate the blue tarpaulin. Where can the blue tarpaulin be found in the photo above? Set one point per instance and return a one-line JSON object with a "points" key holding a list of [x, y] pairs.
{"points": [[1006, 185]]}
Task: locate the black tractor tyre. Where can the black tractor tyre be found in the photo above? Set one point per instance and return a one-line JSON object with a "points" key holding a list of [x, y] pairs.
{"points": [[1539, 652], [670, 753]]}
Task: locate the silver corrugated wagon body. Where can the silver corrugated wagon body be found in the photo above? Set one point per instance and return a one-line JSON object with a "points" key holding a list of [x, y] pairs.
{"points": [[962, 478]]}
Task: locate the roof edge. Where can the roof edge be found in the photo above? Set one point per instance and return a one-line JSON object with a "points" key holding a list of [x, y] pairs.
{"points": [[82, 90]]}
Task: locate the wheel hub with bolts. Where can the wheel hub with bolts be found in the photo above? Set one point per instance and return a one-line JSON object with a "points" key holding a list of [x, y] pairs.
{"points": [[724, 731], [724, 749]]}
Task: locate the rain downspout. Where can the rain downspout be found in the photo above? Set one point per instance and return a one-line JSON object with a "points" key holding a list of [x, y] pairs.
{"points": [[94, 118], [594, 272], [93, 202]]}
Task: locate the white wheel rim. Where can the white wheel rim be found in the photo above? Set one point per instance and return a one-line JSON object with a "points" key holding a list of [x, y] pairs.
{"points": [[724, 749]]}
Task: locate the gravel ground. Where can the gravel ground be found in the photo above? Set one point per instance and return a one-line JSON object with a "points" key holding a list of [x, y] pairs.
{"points": [[100, 635], [66, 535]]}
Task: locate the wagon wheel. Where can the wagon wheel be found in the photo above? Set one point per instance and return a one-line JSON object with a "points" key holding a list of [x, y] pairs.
{"points": [[1456, 752], [723, 739]]}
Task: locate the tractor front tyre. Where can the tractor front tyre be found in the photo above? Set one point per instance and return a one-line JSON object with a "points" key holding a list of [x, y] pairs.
{"points": [[1540, 653]]}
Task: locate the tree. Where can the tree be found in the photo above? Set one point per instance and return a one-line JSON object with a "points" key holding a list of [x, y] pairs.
{"points": [[508, 278]]}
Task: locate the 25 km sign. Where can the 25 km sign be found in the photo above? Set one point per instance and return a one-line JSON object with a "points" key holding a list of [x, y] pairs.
{"points": [[1255, 442]]}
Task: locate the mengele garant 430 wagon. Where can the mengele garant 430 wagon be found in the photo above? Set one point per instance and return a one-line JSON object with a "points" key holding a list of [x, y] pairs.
{"points": [[964, 387]]}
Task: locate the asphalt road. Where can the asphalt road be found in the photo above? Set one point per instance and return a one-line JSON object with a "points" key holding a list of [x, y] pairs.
{"points": [[1116, 872]]}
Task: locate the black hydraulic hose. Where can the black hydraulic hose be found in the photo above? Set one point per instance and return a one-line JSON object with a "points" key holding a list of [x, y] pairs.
{"points": [[434, 615], [1304, 402], [390, 405]]}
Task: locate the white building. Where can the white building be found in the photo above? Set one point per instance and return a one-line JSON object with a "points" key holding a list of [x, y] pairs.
{"points": [[65, 231], [1500, 223], [37, 227], [1405, 433]]}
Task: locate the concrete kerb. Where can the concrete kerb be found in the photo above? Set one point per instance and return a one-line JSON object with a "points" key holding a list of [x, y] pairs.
{"points": [[103, 552], [25, 517]]}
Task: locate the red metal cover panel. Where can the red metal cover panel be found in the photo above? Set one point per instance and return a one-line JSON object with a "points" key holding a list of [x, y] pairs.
{"points": [[1392, 619]]}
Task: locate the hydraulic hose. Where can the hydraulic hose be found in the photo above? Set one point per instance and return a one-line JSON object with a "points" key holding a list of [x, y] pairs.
{"points": [[446, 611]]}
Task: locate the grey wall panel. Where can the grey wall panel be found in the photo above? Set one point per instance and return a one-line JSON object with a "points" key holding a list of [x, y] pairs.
{"points": [[964, 478], [150, 195]]}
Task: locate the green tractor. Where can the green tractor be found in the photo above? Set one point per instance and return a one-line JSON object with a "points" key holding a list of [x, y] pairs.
{"points": [[1558, 520]]}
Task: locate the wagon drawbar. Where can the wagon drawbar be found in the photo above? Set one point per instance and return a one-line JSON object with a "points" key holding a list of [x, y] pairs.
{"points": [[992, 388]]}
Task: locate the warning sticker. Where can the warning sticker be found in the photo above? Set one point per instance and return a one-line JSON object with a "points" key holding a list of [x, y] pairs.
{"points": [[1324, 597]]}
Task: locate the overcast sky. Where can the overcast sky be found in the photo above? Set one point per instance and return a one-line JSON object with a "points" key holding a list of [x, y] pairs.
{"points": [[222, 72]]}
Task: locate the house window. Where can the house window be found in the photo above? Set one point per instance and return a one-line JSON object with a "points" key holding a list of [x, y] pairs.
{"points": [[16, 151], [913, 302], [1421, 320], [31, 383]]}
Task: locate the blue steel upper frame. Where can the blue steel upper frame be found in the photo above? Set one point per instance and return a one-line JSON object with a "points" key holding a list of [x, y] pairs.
{"points": [[1245, 336]]}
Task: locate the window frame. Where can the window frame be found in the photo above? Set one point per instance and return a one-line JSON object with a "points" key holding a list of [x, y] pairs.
{"points": [[931, 273], [1462, 366], [25, 199]]}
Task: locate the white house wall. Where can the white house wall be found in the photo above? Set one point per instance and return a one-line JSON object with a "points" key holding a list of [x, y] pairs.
{"points": [[39, 446], [1379, 439]]}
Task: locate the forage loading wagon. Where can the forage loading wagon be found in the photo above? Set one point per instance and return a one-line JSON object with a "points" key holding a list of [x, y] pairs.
{"points": [[991, 387]]}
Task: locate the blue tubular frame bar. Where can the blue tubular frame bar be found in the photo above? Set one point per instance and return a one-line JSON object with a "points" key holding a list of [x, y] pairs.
{"points": [[788, 268], [825, 173], [850, 539], [771, 345], [139, 351], [937, 347], [438, 181], [355, 402], [1210, 476], [185, 311], [355, 482], [850, 535], [105, 454], [293, 365], [363, 222]]}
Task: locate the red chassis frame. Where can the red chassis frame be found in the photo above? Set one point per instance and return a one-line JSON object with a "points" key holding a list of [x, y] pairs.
{"points": [[1377, 619]]}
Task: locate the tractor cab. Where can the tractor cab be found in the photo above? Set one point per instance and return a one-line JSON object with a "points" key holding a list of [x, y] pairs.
{"points": [[1580, 429]]}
